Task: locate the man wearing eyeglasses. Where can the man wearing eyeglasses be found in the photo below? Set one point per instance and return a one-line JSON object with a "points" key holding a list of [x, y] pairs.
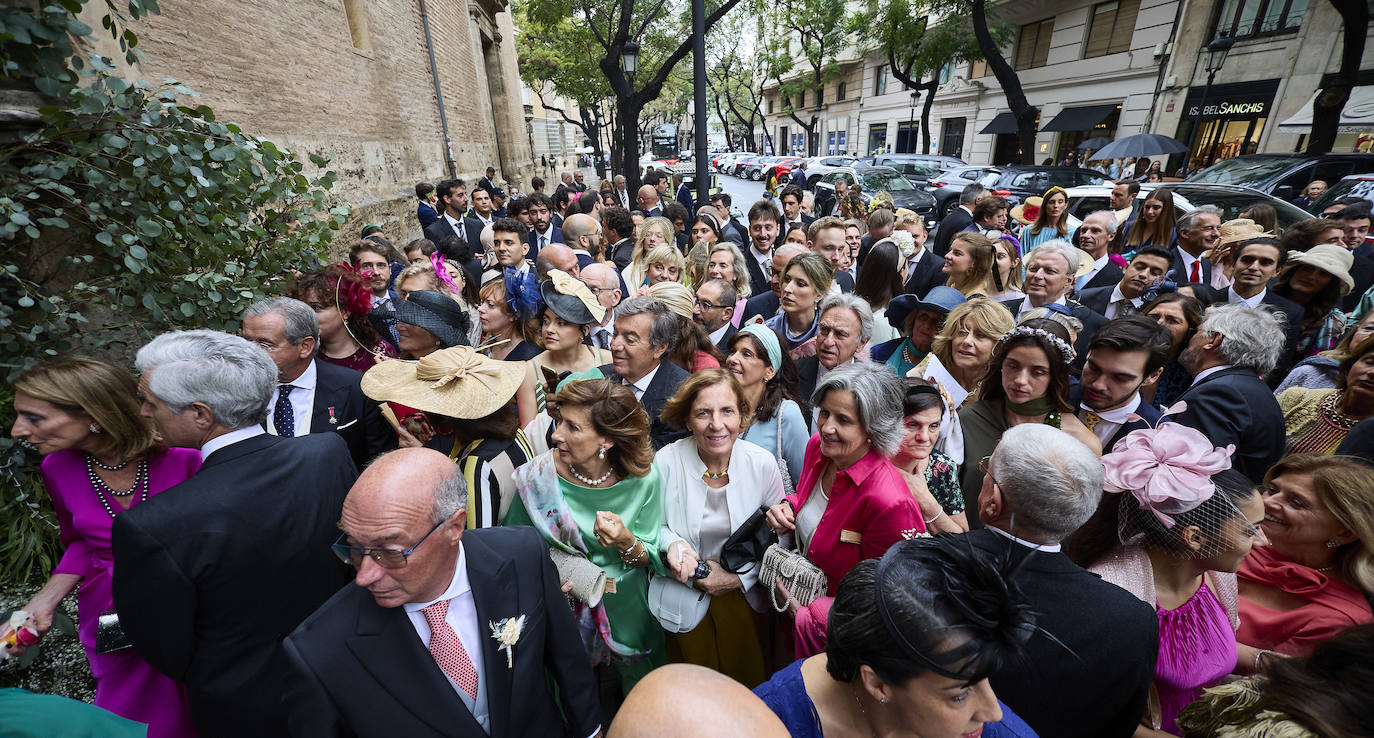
{"points": [[714, 309], [443, 632]]}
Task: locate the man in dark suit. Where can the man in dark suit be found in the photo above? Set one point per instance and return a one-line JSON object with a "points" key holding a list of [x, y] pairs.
{"points": [[925, 268], [1049, 274], [648, 200], [1095, 236], [826, 236], [313, 396], [792, 216], [1089, 665], [958, 219], [845, 325], [413, 649], [714, 311], [1228, 402], [1197, 232], [765, 304], [799, 175], [1124, 356], [215, 571], [488, 181], [684, 193], [1123, 199], [644, 331], [618, 228], [1148, 266], [1257, 261], [730, 229], [763, 232], [453, 196], [425, 211], [544, 231]]}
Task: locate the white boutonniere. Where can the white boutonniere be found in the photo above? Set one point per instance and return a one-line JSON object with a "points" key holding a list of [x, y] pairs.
{"points": [[507, 633]]}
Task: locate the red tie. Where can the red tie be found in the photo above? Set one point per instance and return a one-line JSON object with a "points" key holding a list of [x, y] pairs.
{"points": [[448, 651], [1196, 278]]}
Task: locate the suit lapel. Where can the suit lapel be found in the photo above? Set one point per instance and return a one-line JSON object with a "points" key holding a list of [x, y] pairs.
{"points": [[496, 597], [324, 400], [387, 646]]}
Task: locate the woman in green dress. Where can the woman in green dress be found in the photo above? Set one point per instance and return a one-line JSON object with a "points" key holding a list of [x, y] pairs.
{"points": [[597, 494]]}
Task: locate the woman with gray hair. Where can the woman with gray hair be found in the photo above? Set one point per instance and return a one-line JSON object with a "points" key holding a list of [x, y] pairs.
{"points": [[851, 503]]}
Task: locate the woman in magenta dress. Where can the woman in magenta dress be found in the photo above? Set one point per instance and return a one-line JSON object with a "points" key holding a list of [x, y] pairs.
{"points": [[99, 458], [1180, 523]]}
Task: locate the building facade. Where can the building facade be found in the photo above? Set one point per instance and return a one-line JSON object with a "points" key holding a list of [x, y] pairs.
{"points": [[352, 79]]}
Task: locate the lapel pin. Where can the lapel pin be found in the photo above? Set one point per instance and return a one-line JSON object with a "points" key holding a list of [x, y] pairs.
{"points": [[332, 420]]}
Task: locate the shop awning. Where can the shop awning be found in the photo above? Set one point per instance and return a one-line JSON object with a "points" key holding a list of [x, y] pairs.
{"points": [[1358, 114], [1079, 119], [1003, 123]]}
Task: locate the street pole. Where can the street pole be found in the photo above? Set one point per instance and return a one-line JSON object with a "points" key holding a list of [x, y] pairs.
{"points": [[703, 177], [1216, 56]]}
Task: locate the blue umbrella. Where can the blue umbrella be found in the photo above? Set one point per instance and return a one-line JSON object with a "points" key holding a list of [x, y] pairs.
{"points": [[1094, 143], [1141, 144]]}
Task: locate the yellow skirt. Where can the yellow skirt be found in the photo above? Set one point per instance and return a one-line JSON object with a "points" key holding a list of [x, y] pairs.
{"points": [[725, 640]]}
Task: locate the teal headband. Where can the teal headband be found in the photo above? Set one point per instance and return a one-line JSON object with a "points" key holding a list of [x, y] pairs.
{"points": [[769, 339]]}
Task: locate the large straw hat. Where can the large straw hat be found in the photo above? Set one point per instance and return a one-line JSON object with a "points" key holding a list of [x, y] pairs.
{"points": [[1334, 260], [1032, 204], [456, 382], [1240, 229]]}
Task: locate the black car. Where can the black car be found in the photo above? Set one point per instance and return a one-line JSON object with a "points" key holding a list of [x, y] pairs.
{"points": [[872, 180], [918, 168], [1016, 183], [1284, 176]]}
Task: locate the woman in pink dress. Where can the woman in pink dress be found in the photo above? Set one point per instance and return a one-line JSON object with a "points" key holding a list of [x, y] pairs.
{"points": [[100, 457], [1174, 532]]}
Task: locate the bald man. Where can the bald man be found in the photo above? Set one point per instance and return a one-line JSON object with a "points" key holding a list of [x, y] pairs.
{"points": [[408, 649], [556, 256], [648, 201], [582, 234], [688, 701]]}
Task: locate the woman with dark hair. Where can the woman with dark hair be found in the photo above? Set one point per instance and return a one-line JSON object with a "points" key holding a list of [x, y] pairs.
{"points": [[1317, 420], [932, 476], [1323, 370], [1317, 279], [1051, 222], [341, 303], [608, 198], [1305, 234], [970, 264], [509, 314], [1181, 314], [879, 282], [1154, 226], [100, 458], [769, 380], [1178, 525], [704, 227], [1027, 381], [570, 311], [914, 637], [597, 494], [1264, 215]]}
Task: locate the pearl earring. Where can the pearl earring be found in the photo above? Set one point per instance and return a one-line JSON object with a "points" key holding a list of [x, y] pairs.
{"points": [[601, 454], [94, 428], [1332, 543]]}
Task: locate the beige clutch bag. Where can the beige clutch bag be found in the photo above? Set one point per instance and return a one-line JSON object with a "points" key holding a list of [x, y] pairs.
{"points": [[588, 580]]}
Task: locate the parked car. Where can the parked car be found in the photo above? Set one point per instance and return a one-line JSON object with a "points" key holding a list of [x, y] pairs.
{"points": [[872, 180], [1284, 175], [1015, 183], [738, 164], [1356, 185], [819, 166], [782, 168], [946, 188], [755, 170], [918, 168], [721, 161], [1232, 199]]}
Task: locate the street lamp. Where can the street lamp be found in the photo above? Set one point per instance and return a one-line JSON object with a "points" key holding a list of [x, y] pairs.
{"points": [[629, 58], [1216, 56], [911, 124]]}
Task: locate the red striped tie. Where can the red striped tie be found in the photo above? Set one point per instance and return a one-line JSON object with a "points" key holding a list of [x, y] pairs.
{"points": [[1195, 277], [448, 651]]}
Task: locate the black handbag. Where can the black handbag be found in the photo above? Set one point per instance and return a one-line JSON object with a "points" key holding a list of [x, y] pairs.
{"points": [[745, 547]]}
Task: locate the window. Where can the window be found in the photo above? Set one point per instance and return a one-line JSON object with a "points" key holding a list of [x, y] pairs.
{"points": [[945, 72], [839, 92], [770, 106], [1033, 44], [1110, 28], [356, 13], [978, 68], [880, 79], [1245, 18], [801, 100]]}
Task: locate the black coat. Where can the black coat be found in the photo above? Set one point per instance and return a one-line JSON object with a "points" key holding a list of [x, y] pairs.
{"points": [[1109, 277], [1234, 406], [341, 407], [216, 571], [927, 275], [808, 372], [1096, 299], [532, 238], [957, 220], [1149, 418], [361, 670], [764, 305], [724, 343], [758, 281], [1096, 684], [1291, 313], [663, 385], [1180, 274], [621, 252], [440, 229]]}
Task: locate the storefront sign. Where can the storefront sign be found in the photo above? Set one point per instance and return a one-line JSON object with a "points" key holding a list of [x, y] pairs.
{"points": [[1239, 100]]}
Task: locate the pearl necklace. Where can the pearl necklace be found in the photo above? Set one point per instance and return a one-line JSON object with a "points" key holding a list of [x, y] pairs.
{"points": [[116, 467], [102, 489], [590, 482]]}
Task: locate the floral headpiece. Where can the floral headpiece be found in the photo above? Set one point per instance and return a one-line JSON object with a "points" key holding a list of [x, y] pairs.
{"points": [[441, 271], [1031, 213], [350, 296], [1065, 349], [1167, 469], [522, 294]]}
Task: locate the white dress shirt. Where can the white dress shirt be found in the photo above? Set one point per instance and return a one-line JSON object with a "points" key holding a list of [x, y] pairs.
{"points": [[765, 260], [462, 617], [1118, 297], [1051, 547], [229, 439], [641, 386], [1098, 265], [302, 401], [1111, 420], [719, 333], [457, 225], [1253, 302], [1205, 373]]}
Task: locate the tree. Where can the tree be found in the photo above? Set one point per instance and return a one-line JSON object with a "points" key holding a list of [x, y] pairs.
{"points": [[1021, 109], [664, 36], [917, 47], [814, 33], [735, 75], [1326, 109]]}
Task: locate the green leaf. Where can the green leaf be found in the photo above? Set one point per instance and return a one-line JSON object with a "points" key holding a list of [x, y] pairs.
{"points": [[138, 252]]}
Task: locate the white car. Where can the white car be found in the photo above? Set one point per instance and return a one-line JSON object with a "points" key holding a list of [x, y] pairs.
{"points": [[819, 166], [1232, 199]]}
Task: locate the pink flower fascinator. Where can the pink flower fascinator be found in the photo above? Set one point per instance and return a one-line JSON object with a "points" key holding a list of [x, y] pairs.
{"points": [[1167, 469]]}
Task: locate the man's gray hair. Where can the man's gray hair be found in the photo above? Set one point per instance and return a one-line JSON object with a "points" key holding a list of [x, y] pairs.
{"points": [[450, 496], [1108, 214], [1253, 338], [878, 394], [301, 322], [232, 375], [1057, 246], [1050, 481], [972, 193], [1188, 220], [665, 324], [728, 296], [860, 307]]}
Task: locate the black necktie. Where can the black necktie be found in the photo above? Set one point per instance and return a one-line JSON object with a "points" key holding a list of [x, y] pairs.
{"points": [[602, 340], [283, 417]]}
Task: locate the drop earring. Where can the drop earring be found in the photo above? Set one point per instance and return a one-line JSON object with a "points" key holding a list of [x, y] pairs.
{"points": [[601, 454], [1332, 543], [94, 428]]}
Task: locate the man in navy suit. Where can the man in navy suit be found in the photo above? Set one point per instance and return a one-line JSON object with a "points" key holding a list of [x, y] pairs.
{"points": [[763, 231], [1095, 237], [1197, 232], [925, 268], [1049, 274], [1228, 401], [1149, 266], [644, 332], [425, 211], [959, 218], [543, 231], [1124, 355], [453, 221]]}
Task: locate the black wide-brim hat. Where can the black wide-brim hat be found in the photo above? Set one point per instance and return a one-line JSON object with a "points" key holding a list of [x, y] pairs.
{"points": [[437, 313]]}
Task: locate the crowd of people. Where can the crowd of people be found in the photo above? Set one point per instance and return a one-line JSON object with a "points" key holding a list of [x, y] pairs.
{"points": [[1035, 475]]}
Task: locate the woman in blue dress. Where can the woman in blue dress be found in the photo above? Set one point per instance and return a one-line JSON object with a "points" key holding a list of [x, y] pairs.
{"points": [[903, 653]]}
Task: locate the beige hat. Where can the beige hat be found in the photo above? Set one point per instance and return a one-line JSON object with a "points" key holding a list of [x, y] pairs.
{"points": [[1240, 229], [677, 296], [1334, 260], [457, 382], [1032, 204]]}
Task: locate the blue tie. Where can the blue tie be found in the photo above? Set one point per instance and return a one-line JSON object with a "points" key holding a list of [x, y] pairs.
{"points": [[283, 417]]}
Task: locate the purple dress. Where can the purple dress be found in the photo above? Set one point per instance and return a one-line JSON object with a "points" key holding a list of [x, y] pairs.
{"points": [[125, 684], [1197, 647]]}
